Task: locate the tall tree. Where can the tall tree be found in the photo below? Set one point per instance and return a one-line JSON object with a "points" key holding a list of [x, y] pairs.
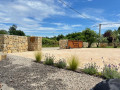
{"points": [[108, 35], [13, 31], [61, 36], [89, 36]]}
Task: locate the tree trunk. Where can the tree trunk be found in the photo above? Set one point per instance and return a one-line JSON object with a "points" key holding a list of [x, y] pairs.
{"points": [[89, 45]]}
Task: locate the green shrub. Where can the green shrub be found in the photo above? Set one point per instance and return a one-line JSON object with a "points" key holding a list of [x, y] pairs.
{"points": [[49, 60], [91, 69], [47, 42], [73, 63], [110, 72], [99, 74], [38, 56], [61, 64]]}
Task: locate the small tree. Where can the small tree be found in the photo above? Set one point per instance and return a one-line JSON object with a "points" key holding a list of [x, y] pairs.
{"points": [[89, 36], [13, 31]]}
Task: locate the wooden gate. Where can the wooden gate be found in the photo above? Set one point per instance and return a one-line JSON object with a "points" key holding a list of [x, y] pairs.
{"points": [[75, 44]]}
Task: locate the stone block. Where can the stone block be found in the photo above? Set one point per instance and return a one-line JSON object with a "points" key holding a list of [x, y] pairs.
{"points": [[2, 56]]}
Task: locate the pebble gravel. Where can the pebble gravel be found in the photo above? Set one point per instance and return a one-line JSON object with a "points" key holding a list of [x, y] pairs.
{"points": [[24, 74]]}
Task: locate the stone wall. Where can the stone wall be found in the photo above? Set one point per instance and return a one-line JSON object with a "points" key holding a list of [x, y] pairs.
{"points": [[34, 43], [13, 43], [2, 56], [94, 45], [85, 44], [103, 45], [63, 44], [1, 42]]}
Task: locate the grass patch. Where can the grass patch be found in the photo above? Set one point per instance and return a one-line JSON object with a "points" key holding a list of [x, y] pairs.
{"points": [[49, 60], [38, 56], [73, 63]]}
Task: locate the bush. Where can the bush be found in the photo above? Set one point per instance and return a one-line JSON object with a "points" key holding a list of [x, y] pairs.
{"points": [[61, 64], [110, 72], [38, 56], [73, 63], [47, 42], [91, 69], [49, 60]]}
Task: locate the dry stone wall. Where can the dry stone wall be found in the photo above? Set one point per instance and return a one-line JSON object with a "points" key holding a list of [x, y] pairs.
{"points": [[1, 42], [85, 44], [63, 44], [2, 56], [13, 43], [34, 43]]}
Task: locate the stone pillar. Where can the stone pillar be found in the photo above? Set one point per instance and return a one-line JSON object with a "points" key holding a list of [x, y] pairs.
{"points": [[63, 44], [34, 43]]}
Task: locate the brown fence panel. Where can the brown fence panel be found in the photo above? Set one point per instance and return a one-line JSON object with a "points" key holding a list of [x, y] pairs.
{"points": [[75, 44]]}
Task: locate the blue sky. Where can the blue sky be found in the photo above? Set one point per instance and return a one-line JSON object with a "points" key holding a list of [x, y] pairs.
{"points": [[51, 17]]}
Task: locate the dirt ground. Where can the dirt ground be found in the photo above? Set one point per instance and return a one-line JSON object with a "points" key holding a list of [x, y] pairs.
{"points": [[85, 55]]}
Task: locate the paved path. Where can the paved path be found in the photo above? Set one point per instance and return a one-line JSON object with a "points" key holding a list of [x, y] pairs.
{"points": [[24, 74]]}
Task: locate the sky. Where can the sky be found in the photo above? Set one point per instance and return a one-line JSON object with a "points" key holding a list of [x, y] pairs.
{"points": [[52, 17]]}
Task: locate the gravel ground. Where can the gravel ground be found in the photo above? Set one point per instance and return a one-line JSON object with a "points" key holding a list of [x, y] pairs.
{"points": [[85, 55], [24, 74]]}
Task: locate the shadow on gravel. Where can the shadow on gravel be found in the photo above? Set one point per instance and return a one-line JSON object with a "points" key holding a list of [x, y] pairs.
{"points": [[29, 78]]}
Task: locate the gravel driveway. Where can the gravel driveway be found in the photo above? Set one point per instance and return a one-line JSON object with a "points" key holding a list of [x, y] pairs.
{"points": [[85, 55], [24, 74]]}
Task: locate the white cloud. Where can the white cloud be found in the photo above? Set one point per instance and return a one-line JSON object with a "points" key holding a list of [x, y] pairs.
{"points": [[89, 17], [58, 24], [118, 15], [77, 25], [92, 14], [27, 14], [66, 26], [20, 7], [107, 25]]}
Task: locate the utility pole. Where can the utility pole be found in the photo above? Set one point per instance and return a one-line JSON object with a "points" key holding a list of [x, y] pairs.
{"points": [[99, 40], [100, 29]]}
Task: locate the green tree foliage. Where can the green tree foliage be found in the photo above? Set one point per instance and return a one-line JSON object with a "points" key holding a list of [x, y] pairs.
{"points": [[112, 36], [119, 30], [47, 42], [13, 31], [118, 33], [108, 35], [3, 32], [89, 36], [115, 36], [75, 36], [61, 36]]}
